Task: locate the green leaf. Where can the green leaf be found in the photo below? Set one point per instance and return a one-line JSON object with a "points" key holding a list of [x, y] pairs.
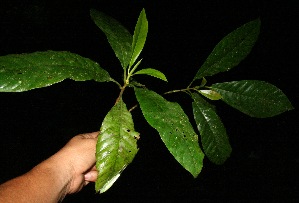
{"points": [[139, 37], [254, 98], [174, 128], [118, 36], [22, 72], [152, 72], [203, 82], [214, 139], [135, 67], [210, 94], [231, 50], [116, 146]]}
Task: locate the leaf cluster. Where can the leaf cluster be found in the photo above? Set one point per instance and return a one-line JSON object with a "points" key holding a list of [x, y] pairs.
{"points": [[117, 144]]}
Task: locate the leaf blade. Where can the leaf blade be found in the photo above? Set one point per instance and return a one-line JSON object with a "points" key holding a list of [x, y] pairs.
{"points": [[210, 94], [139, 36], [116, 146], [118, 36], [214, 138], [152, 72], [231, 50], [174, 128], [254, 98], [22, 72]]}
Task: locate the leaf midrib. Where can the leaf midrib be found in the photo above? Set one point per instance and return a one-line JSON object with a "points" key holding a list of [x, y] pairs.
{"points": [[222, 58]]}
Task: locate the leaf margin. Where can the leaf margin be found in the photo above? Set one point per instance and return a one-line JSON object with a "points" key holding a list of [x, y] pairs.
{"points": [[139, 37], [196, 166], [207, 68], [152, 72], [211, 131], [122, 45], [235, 100], [127, 143], [27, 71]]}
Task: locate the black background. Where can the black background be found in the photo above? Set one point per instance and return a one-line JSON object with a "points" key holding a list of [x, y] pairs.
{"points": [[264, 164]]}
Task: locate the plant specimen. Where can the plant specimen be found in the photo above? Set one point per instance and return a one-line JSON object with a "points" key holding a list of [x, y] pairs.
{"points": [[117, 143]]}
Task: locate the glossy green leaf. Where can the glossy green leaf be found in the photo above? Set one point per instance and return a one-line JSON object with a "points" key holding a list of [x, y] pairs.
{"points": [[214, 139], [116, 146], [118, 36], [210, 94], [22, 72], [174, 128], [231, 50], [152, 72], [254, 98], [139, 36]]}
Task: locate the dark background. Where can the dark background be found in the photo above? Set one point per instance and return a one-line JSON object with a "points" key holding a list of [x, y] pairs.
{"points": [[264, 164]]}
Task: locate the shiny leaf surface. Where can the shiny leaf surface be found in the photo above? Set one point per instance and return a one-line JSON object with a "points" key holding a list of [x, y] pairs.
{"points": [[254, 98], [118, 36], [22, 72], [174, 128], [231, 50], [139, 36], [116, 146], [214, 138]]}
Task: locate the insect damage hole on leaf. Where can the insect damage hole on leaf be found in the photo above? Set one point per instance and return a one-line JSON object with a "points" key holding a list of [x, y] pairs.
{"points": [[117, 144], [118, 139]]}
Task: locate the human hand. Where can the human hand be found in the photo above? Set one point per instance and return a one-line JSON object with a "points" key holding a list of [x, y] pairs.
{"points": [[78, 159], [65, 172]]}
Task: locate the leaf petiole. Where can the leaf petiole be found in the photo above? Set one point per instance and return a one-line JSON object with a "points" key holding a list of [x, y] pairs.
{"points": [[187, 90], [131, 72], [175, 91]]}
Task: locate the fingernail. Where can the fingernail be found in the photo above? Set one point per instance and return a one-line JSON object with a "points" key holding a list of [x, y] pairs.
{"points": [[87, 176]]}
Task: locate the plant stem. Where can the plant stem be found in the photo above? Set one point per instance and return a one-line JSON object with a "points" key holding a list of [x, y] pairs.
{"points": [[181, 90], [116, 83], [131, 109], [190, 84], [125, 76], [131, 72], [122, 89]]}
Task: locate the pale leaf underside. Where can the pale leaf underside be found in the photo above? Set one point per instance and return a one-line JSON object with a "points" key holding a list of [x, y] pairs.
{"points": [[116, 146]]}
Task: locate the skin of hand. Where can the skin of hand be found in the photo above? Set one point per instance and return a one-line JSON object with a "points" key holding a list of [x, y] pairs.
{"points": [[79, 152], [66, 172]]}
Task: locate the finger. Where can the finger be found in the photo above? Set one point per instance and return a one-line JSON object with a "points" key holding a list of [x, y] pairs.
{"points": [[91, 176], [92, 135]]}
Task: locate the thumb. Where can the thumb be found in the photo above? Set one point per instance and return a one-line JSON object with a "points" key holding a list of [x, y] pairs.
{"points": [[91, 176]]}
